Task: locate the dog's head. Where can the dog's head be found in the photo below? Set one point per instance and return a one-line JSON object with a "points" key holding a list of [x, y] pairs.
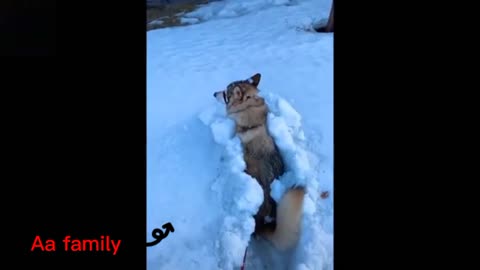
{"points": [[240, 95]]}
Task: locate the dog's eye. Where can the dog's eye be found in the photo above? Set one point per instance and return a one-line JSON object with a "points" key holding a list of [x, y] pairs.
{"points": [[248, 97]]}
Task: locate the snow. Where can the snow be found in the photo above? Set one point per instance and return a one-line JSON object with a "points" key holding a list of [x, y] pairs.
{"points": [[156, 22], [186, 20], [233, 8], [195, 177]]}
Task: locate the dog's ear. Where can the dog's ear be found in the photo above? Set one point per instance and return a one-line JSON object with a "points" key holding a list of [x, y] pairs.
{"points": [[221, 97], [255, 79]]}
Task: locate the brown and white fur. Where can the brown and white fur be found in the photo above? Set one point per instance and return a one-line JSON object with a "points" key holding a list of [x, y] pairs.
{"points": [[279, 224]]}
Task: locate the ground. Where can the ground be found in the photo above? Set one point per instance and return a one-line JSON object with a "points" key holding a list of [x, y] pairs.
{"points": [[195, 176]]}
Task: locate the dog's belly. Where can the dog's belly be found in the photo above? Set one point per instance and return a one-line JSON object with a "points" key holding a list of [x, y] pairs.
{"points": [[265, 168]]}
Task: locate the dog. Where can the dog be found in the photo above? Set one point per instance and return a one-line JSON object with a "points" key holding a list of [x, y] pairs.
{"points": [[281, 223]]}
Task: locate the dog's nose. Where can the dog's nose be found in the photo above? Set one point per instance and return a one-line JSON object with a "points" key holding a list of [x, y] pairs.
{"points": [[214, 94]]}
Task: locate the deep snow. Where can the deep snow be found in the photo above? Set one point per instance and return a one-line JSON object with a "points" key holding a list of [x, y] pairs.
{"points": [[195, 176]]}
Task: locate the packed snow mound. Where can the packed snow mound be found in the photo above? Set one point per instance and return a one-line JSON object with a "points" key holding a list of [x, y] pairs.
{"points": [[241, 195], [195, 165]]}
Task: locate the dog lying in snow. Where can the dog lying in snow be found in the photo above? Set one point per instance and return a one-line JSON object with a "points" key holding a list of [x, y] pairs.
{"points": [[280, 223]]}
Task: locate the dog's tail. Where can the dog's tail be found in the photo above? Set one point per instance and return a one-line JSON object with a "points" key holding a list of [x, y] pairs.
{"points": [[289, 218]]}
